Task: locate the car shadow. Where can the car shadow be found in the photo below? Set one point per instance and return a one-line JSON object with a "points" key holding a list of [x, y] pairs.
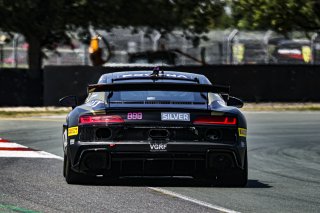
{"points": [[166, 182], [257, 184]]}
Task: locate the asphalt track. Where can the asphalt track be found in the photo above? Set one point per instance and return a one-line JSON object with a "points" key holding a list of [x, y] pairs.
{"points": [[284, 174]]}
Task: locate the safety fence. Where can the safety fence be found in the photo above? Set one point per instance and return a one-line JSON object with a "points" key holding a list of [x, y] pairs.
{"points": [[218, 47]]}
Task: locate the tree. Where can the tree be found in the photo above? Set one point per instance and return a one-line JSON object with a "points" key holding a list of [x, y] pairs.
{"points": [[44, 23], [281, 16]]}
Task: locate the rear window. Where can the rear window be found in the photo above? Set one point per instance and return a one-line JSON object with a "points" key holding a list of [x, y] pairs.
{"points": [[149, 96], [158, 96]]}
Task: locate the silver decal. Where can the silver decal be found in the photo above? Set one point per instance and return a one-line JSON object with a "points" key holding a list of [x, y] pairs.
{"points": [[175, 116]]}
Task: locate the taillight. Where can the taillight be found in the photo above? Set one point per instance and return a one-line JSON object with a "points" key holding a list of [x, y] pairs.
{"points": [[91, 119], [222, 120]]}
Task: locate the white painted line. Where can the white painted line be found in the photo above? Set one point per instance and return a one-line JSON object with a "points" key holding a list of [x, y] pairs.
{"points": [[43, 154], [27, 154], [11, 145], [49, 155], [201, 203], [9, 149], [174, 194]]}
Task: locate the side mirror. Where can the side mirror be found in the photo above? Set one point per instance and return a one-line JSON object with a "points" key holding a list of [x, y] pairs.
{"points": [[69, 101], [236, 102]]}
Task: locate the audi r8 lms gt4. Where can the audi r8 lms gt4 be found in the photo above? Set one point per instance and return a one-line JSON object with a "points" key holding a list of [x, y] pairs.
{"points": [[156, 123]]}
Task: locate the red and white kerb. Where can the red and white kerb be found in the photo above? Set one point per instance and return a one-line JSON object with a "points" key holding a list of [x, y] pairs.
{"points": [[9, 149]]}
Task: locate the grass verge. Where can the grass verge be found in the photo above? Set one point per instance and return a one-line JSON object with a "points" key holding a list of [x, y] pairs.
{"points": [[13, 112], [281, 107]]}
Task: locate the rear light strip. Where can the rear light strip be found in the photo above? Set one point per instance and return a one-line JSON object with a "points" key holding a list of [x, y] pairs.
{"points": [[221, 120], [92, 119]]}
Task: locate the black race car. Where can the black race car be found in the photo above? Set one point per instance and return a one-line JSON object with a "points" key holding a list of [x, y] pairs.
{"points": [[156, 123]]}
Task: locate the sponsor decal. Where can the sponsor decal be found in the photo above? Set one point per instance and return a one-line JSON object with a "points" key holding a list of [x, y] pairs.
{"points": [[158, 147], [134, 116], [72, 141], [175, 116], [242, 132], [148, 75], [73, 131]]}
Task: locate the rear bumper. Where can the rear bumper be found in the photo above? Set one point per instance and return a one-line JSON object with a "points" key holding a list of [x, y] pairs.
{"points": [[137, 158]]}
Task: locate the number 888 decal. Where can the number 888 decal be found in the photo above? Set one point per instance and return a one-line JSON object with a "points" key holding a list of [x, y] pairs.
{"points": [[134, 116]]}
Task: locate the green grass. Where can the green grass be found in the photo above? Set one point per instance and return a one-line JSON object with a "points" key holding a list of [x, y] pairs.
{"points": [[282, 107], [13, 112]]}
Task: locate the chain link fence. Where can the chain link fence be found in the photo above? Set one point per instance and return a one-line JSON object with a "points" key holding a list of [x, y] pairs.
{"points": [[218, 47]]}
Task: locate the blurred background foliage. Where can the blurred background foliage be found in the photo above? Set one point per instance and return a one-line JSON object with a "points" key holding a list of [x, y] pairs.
{"points": [[282, 16], [44, 24]]}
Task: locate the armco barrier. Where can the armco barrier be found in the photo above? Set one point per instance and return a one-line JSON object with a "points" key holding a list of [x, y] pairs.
{"points": [[254, 83], [20, 87], [60, 81]]}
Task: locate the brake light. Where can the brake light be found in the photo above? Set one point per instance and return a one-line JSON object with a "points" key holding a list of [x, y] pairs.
{"points": [[216, 120], [90, 119]]}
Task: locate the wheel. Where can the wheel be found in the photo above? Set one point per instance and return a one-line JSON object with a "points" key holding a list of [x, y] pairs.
{"points": [[71, 176], [236, 178], [64, 144], [64, 165]]}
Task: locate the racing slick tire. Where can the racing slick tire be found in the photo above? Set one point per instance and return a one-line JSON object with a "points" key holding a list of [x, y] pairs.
{"points": [[71, 176], [235, 178], [64, 165]]}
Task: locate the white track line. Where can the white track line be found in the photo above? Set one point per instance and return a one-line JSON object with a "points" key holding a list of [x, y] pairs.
{"points": [[186, 198], [11, 145], [27, 154], [43, 154], [7, 149], [192, 200]]}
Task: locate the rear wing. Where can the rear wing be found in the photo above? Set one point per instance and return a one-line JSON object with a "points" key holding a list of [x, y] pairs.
{"points": [[160, 86]]}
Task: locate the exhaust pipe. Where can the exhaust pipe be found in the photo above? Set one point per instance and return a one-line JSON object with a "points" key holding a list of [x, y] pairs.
{"points": [[103, 133], [213, 135], [159, 133]]}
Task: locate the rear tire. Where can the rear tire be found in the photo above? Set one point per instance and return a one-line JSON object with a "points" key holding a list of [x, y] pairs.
{"points": [[71, 176], [236, 178], [64, 165]]}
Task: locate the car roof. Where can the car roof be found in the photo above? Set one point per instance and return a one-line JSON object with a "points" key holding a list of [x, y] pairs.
{"points": [[175, 76], [294, 42]]}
